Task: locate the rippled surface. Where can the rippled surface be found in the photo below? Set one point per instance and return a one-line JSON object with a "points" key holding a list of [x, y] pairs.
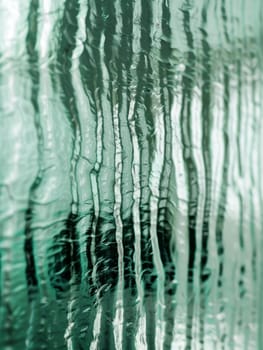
{"points": [[131, 174]]}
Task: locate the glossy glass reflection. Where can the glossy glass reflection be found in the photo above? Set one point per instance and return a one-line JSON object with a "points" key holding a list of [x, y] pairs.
{"points": [[131, 174]]}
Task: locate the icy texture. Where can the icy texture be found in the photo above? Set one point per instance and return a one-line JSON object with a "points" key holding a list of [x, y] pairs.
{"points": [[131, 161]]}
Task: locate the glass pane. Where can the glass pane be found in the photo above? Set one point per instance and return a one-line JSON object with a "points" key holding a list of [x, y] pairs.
{"points": [[131, 174]]}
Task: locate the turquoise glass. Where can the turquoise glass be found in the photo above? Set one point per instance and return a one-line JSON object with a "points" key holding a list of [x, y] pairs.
{"points": [[131, 162]]}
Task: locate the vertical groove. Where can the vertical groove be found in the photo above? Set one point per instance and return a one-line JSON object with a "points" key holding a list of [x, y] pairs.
{"points": [[224, 179], [105, 240], [124, 62], [206, 146], [144, 130], [68, 259], [165, 230], [32, 282], [185, 117]]}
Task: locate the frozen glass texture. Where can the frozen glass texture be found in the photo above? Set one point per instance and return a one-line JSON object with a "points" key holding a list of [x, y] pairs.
{"points": [[131, 164]]}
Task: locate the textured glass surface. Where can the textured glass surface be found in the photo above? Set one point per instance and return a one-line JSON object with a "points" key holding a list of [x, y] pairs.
{"points": [[131, 212]]}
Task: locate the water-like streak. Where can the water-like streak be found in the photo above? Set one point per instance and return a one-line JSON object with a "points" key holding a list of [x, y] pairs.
{"points": [[185, 117], [123, 64], [68, 260], [34, 74], [166, 205]]}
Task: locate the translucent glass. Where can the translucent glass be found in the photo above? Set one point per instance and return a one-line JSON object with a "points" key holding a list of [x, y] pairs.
{"points": [[131, 161]]}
